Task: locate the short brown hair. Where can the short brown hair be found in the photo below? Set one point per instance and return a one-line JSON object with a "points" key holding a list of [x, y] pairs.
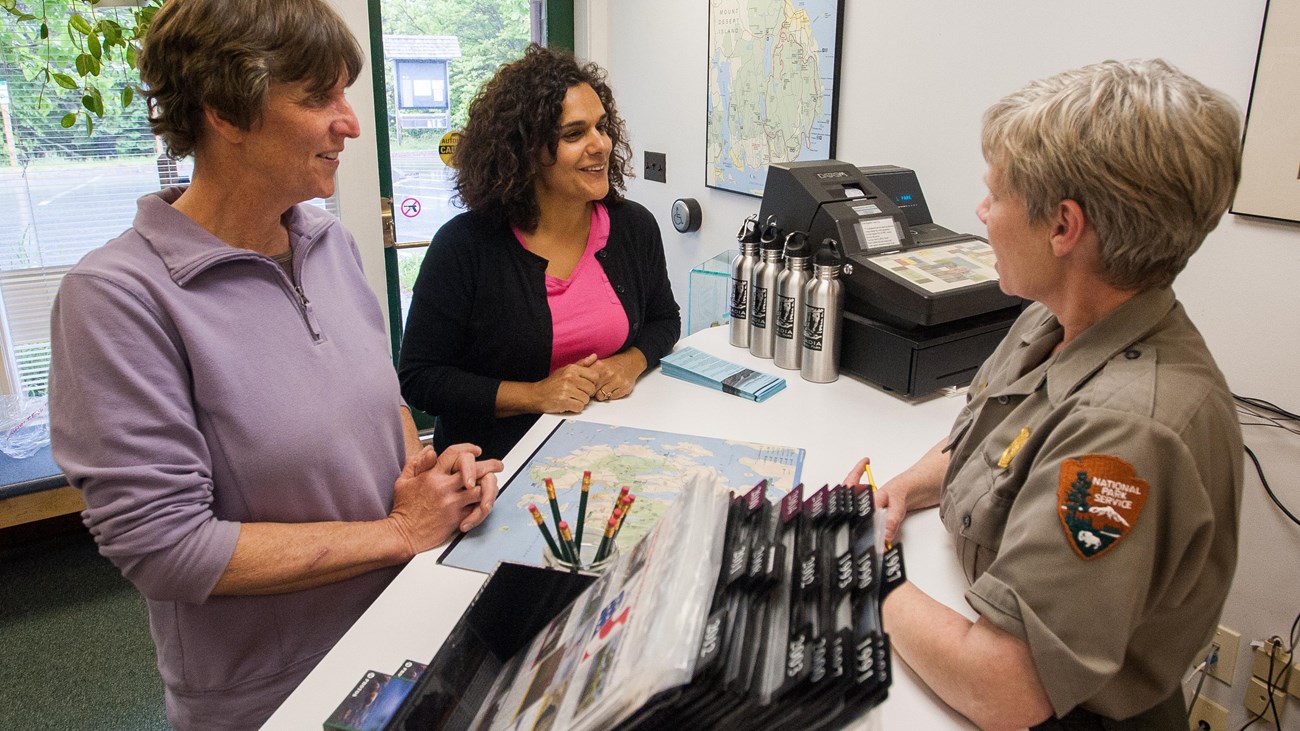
{"points": [[513, 118], [1152, 156], [224, 55]]}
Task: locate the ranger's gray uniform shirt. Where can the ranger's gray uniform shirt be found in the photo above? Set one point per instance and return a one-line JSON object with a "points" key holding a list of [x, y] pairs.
{"points": [[1093, 497]]}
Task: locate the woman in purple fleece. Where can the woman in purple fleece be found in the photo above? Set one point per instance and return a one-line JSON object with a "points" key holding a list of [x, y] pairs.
{"points": [[221, 388]]}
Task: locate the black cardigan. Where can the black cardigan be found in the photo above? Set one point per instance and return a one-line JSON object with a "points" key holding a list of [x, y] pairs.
{"points": [[479, 316]]}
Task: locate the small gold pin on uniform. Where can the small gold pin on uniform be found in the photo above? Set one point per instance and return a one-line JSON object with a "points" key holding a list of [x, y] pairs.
{"points": [[1013, 448]]}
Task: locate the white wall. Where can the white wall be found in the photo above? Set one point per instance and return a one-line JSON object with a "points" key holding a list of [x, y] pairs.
{"points": [[915, 79]]}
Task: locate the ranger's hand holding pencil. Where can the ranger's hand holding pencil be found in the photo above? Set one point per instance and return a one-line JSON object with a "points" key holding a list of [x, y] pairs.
{"points": [[913, 489]]}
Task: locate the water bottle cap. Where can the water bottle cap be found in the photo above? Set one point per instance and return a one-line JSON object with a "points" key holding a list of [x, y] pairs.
{"points": [[771, 238], [829, 254], [748, 233], [796, 244]]}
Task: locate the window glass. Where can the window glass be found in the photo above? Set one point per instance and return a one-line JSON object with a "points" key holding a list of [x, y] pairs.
{"points": [[437, 53], [63, 192]]}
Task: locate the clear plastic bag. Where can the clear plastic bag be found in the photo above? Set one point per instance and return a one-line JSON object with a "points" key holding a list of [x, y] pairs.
{"points": [[24, 425]]}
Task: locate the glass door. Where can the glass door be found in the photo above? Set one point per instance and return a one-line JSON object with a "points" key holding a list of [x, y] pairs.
{"points": [[435, 56], [428, 59]]}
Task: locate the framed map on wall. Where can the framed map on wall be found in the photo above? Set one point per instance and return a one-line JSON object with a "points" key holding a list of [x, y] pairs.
{"points": [[1270, 156], [773, 87]]}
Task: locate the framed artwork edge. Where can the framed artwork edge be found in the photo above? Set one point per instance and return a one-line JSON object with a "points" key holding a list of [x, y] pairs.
{"points": [[1270, 161]]}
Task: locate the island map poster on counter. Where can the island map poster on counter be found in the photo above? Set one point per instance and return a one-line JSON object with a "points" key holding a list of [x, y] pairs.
{"points": [[653, 464]]}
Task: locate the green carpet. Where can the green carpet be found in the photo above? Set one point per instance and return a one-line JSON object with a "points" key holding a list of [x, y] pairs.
{"points": [[77, 652]]}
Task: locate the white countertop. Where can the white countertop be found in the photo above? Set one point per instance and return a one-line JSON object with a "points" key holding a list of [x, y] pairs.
{"points": [[836, 423]]}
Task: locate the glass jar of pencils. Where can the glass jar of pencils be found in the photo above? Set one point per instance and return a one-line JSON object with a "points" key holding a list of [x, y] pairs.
{"points": [[587, 552]]}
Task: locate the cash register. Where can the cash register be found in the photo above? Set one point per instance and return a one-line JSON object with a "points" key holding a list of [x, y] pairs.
{"points": [[923, 308]]}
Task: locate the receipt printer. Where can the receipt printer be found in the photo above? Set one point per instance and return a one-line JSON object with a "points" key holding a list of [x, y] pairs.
{"points": [[923, 306]]}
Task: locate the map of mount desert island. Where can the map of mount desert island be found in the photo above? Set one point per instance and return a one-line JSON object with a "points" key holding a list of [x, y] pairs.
{"points": [[771, 77]]}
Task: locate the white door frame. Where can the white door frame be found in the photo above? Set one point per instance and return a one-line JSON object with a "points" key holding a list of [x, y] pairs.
{"points": [[357, 179]]}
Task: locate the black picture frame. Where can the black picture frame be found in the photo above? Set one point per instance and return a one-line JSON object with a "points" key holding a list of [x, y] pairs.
{"points": [[1270, 160], [723, 115]]}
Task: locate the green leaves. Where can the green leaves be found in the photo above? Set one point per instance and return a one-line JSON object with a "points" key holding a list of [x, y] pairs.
{"points": [[93, 102], [78, 23], [70, 119], [112, 33], [11, 7], [87, 65], [85, 62], [65, 81]]}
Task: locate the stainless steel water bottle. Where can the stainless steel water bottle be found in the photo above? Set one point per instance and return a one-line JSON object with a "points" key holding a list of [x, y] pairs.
{"points": [[823, 315], [762, 337], [742, 268], [788, 352]]}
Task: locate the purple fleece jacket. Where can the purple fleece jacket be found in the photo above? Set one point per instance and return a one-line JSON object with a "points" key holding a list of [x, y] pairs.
{"points": [[194, 388]]}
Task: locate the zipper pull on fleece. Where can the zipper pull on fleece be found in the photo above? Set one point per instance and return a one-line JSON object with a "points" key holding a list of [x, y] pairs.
{"points": [[308, 314]]}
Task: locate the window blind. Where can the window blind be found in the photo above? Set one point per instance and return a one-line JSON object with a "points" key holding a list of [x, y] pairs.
{"points": [[63, 193]]}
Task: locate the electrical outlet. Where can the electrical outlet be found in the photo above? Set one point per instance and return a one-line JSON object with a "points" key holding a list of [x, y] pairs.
{"points": [[1257, 699], [1229, 643], [1207, 715], [1268, 655], [1294, 687], [656, 167]]}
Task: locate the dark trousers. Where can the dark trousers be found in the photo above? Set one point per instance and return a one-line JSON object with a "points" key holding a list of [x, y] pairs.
{"points": [[1169, 715]]}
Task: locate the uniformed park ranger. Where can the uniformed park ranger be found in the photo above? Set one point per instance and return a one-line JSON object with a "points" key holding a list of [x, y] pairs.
{"points": [[1093, 481]]}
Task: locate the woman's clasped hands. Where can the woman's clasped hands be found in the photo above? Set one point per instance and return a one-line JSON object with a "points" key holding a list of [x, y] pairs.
{"points": [[571, 388], [439, 494]]}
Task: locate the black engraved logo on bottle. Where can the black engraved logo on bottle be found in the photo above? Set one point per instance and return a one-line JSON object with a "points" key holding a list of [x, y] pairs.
{"points": [[785, 317], [759, 301], [739, 296], [814, 326]]}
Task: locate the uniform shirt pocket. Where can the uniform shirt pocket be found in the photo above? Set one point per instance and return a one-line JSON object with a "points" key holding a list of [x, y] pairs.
{"points": [[980, 497]]}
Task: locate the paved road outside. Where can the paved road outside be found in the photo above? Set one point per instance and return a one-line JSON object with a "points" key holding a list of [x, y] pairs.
{"points": [[422, 191], [52, 215]]}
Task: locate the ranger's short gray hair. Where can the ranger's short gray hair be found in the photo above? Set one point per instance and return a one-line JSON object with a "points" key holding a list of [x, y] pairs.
{"points": [[1152, 156]]}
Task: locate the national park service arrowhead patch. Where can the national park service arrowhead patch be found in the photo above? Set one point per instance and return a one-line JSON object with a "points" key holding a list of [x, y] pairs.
{"points": [[1100, 497]]}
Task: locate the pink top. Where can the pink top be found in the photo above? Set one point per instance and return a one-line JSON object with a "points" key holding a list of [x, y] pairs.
{"points": [[586, 315]]}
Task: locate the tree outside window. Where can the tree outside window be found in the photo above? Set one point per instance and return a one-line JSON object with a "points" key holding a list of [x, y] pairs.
{"points": [[63, 191]]}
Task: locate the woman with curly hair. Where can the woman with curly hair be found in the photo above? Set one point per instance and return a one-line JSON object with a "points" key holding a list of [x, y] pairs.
{"points": [[552, 289]]}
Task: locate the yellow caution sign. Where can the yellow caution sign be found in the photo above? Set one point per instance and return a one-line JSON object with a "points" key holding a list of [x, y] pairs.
{"points": [[447, 147]]}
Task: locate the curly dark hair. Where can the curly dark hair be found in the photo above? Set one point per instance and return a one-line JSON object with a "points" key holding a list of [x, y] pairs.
{"points": [[224, 54], [514, 117]]}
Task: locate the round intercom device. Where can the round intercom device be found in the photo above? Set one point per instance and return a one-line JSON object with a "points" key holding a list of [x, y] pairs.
{"points": [[686, 215]]}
